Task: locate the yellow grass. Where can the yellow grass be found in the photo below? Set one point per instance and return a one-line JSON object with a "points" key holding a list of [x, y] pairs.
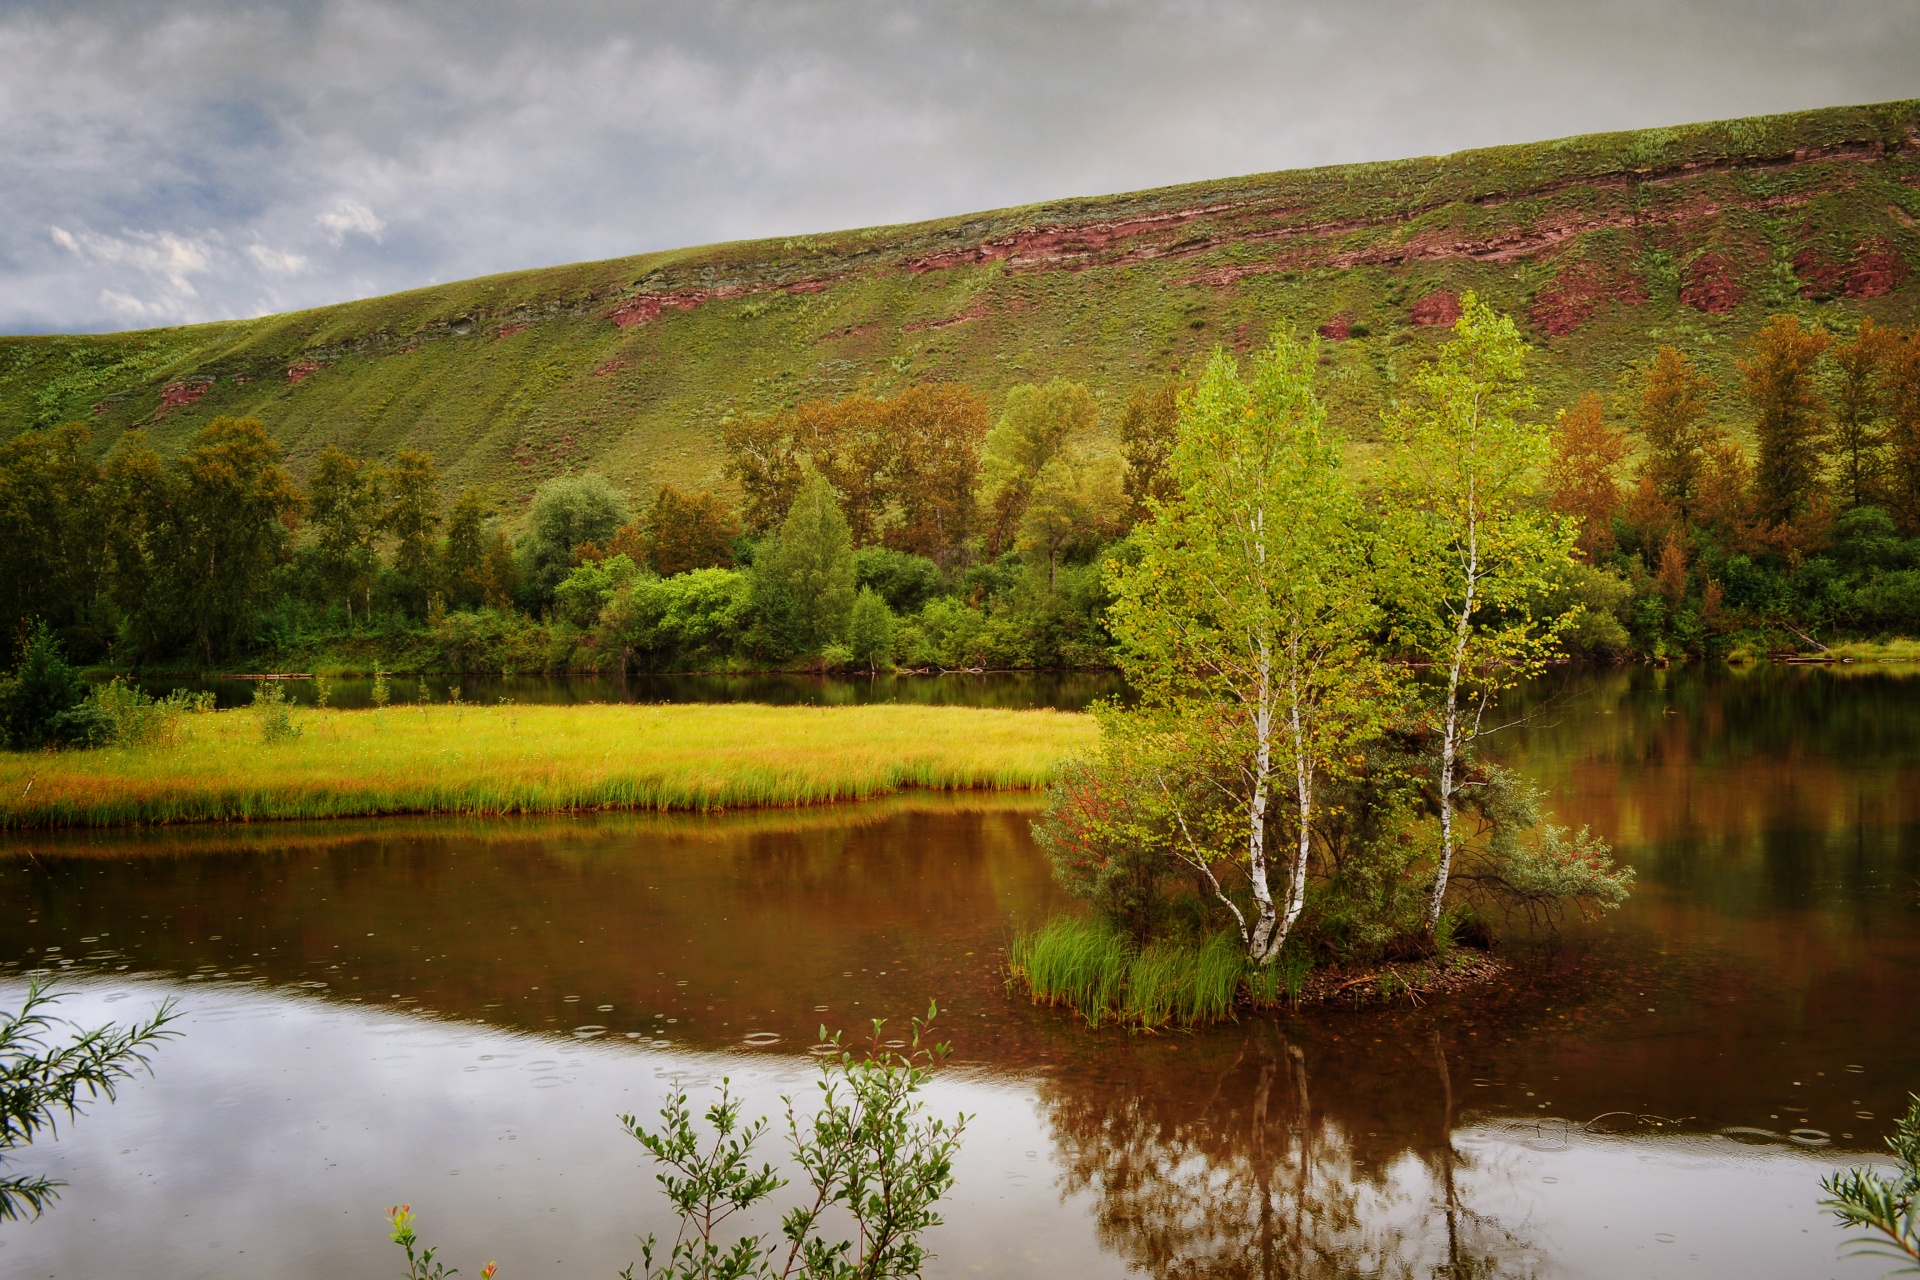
{"points": [[539, 759]]}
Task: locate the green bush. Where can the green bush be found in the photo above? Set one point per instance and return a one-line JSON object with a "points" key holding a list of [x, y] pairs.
{"points": [[271, 712], [134, 719], [44, 702]]}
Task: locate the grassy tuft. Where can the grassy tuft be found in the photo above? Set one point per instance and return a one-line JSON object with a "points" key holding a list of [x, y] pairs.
{"points": [[536, 759], [1098, 972]]}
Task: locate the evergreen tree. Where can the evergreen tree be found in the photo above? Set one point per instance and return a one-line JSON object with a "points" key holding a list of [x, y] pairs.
{"points": [[412, 520], [1673, 408], [1858, 442], [52, 529], [807, 575], [1789, 417]]}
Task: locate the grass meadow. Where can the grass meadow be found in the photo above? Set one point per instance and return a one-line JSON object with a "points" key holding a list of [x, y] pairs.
{"points": [[452, 759]]}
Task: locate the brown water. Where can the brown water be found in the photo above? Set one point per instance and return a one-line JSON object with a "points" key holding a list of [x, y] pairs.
{"points": [[452, 1014]]}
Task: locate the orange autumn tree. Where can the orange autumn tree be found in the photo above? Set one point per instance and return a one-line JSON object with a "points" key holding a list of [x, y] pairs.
{"points": [[1581, 475]]}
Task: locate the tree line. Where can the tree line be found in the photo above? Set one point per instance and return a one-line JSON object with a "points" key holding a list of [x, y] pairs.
{"points": [[982, 536], [1700, 545]]}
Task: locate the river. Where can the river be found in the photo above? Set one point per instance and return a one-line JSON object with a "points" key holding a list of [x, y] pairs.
{"points": [[452, 1014]]}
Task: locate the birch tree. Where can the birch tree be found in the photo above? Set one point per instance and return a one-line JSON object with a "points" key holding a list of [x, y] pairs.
{"points": [[1474, 549], [1246, 620]]}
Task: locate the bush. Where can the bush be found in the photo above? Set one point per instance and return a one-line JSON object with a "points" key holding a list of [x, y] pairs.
{"points": [[44, 702], [586, 591], [271, 712], [678, 622], [905, 582], [133, 719]]}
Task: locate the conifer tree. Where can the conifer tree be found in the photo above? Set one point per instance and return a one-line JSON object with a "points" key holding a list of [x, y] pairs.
{"points": [[1858, 443], [1789, 417], [1673, 407]]}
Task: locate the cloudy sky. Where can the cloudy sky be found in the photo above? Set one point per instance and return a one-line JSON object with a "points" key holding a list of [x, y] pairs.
{"points": [[165, 161]]}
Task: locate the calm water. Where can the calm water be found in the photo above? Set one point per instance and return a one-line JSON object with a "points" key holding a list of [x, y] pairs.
{"points": [[1061, 690], [452, 1015]]}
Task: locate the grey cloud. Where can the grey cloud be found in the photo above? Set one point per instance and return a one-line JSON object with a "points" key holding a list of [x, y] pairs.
{"points": [[167, 162]]}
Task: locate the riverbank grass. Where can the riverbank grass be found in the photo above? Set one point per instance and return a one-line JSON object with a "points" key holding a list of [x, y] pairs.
{"points": [[1101, 974], [453, 759], [1104, 976]]}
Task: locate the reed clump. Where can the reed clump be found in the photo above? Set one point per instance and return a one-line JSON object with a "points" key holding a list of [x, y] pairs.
{"points": [[1100, 973], [465, 759]]}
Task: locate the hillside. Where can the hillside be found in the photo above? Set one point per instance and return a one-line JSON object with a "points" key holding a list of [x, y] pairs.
{"points": [[1604, 246]]}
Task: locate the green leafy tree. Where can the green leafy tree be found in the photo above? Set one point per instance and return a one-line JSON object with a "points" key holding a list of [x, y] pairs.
{"points": [[343, 517], [937, 432], [52, 528], [1037, 423], [806, 577], [412, 519], [568, 512], [194, 544], [1075, 502], [1473, 550], [1245, 621]]}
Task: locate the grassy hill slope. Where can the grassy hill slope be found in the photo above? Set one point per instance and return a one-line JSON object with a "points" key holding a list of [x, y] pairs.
{"points": [[1604, 246]]}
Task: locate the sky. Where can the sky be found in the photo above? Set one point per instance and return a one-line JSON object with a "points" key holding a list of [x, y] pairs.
{"points": [[170, 161]]}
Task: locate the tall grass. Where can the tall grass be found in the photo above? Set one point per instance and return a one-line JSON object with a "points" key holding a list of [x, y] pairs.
{"points": [[1101, 974], [537, 759]]}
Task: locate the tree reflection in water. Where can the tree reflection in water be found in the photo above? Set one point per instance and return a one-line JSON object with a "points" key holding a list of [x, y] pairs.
{"points": [[1241, 1171]]}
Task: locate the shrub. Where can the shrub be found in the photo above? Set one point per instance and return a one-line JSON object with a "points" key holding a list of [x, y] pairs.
{"points": [[271, 713], [1888, 1205], [583, 594], [134, 719], [44, 702], [906, 582]]}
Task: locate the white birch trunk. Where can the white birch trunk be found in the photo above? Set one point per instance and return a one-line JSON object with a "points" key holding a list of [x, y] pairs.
{"points": [[1450, 737]]}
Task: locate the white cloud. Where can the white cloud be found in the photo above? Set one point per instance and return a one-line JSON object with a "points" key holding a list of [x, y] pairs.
{"points": [[277, 261], [397, 143], [347, 217]]}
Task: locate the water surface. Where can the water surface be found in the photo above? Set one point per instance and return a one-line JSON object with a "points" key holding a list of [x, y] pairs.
{"points": [[452, 1013]]}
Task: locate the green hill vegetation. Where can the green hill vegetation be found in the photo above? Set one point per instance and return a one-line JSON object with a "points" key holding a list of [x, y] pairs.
{"points": [[1603, 246]]}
